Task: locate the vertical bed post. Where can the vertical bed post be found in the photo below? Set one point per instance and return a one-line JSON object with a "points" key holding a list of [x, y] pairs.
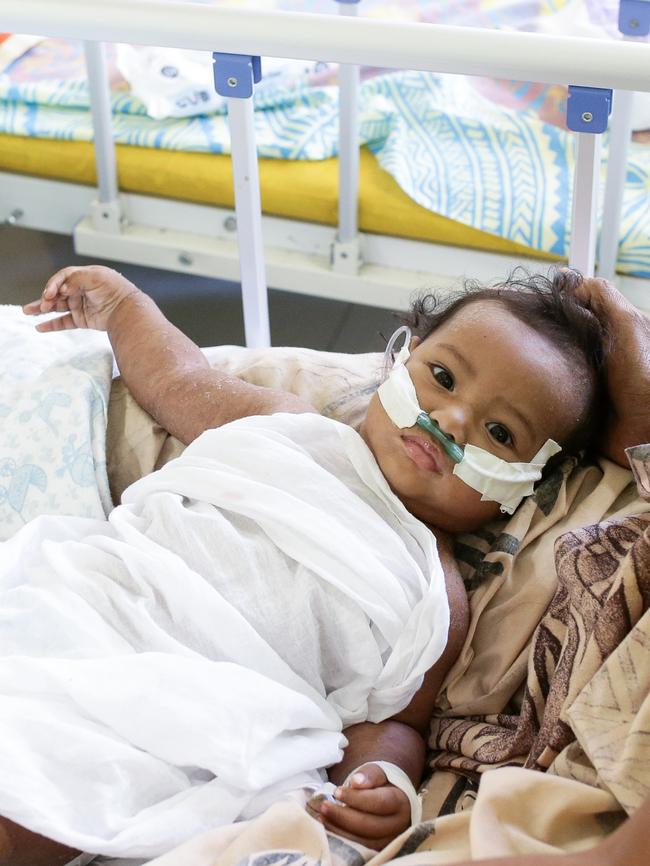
{"points": [[346, 253], [588, 110], [633, 22], [105, 212], [234, 76]]}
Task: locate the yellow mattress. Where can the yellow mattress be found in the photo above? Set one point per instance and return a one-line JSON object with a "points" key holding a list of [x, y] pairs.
{"points": [[304, 190]]}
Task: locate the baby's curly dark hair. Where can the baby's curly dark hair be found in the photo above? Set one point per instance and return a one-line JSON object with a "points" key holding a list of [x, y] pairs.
{"points": [[548, 304]]}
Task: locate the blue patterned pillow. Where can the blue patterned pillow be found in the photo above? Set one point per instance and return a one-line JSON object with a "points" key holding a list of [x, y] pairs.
{"points": [[54, 392]]}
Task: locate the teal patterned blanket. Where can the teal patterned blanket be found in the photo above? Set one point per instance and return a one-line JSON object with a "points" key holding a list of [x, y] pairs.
{"points": [[492, 155]]}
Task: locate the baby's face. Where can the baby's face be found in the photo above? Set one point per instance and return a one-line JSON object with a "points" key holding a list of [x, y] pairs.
{"points": [[489, 380]]}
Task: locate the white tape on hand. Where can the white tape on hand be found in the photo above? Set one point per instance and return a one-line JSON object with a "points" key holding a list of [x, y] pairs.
{"points": [[396, 776]]}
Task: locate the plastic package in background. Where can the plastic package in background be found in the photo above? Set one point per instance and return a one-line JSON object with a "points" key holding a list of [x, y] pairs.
{"points": [[173, 82]]}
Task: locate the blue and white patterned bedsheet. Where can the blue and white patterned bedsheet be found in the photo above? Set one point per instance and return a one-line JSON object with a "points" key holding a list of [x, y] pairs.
{"points": [[54, 391], [491, 155]]}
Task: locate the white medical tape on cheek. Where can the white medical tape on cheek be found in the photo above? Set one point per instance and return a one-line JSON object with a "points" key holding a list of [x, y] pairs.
{"points": [[500, 481], [397, 395]]}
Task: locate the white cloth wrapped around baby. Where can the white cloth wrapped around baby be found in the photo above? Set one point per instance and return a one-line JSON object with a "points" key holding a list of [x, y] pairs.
{"points": [[196, 657]]}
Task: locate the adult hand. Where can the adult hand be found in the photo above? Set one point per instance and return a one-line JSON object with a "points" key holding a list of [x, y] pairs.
{"points": [[375, 812], [89, 296], [627, 367]]}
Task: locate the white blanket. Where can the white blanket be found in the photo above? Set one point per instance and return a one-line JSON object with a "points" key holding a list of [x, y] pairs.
{"points": [[196, 657]]}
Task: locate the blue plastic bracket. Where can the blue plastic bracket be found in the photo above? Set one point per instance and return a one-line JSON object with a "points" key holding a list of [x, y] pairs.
{"points": [[634, 17], [588, 108], [235, 74]]}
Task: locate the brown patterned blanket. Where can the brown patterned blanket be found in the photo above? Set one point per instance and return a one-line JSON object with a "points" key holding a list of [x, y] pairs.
{"points": [[584, 678]]}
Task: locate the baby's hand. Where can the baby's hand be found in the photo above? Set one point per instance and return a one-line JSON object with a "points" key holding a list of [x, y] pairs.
{"points": [[375, 812], [89, 296]]}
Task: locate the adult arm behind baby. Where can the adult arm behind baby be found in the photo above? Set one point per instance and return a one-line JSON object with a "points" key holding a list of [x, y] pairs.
{"points": [[627, 367]]}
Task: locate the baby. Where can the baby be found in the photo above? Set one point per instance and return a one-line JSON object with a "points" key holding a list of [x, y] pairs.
{"points": [[197, 655]]}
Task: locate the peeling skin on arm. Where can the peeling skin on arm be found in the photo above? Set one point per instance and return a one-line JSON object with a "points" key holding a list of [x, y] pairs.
{"points": [[171, 379], [203, 399]]}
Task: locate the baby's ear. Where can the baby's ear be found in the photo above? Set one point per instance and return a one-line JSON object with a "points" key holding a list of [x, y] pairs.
{"points": [[415, 342]]}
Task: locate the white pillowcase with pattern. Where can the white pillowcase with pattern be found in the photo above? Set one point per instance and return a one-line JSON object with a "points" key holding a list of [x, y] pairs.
{"points": [[54, 392]]}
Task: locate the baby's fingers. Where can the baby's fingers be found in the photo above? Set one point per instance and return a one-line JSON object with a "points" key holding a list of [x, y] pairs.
{"points": [[386, 800], [61, 323], [33, 308], [42, 306], [54, 297], [371, 813], [62, 285], [361, 822], [374, 831], [55, 285]]}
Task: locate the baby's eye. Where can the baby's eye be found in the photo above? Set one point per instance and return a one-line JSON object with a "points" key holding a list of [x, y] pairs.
{"points": [[443, 377], [499, 433]]}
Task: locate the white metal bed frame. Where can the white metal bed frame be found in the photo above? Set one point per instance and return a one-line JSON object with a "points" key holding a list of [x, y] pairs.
{"points": [[336, 263]]}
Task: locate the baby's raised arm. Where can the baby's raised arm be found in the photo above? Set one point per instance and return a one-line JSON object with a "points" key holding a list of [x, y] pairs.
{"points": [[165, 371]]}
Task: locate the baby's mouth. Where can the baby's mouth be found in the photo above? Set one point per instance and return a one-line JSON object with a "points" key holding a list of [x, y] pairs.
{"points": [[424, 453]]}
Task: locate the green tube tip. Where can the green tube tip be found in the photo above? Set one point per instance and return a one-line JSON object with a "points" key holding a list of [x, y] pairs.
{"points": [[450, 447]]}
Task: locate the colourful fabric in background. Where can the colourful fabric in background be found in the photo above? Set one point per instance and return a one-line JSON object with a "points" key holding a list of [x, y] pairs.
{"points": [[492, 155]]}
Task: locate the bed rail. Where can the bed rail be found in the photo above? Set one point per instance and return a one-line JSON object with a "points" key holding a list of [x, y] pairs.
{"points": [[395, 44], [350, 41]]}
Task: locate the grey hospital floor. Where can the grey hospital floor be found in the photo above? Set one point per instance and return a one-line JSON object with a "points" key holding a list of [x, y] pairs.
{"points": [[209, 311]]}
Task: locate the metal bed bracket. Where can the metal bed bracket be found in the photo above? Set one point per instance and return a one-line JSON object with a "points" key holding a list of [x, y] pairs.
{"points": [[234, 78], [345, 256], [588, 108], [107, 216], [634, 17], [235, 74]]}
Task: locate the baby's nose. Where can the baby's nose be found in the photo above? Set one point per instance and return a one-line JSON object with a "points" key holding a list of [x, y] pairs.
{"points": [[453, 423]]}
